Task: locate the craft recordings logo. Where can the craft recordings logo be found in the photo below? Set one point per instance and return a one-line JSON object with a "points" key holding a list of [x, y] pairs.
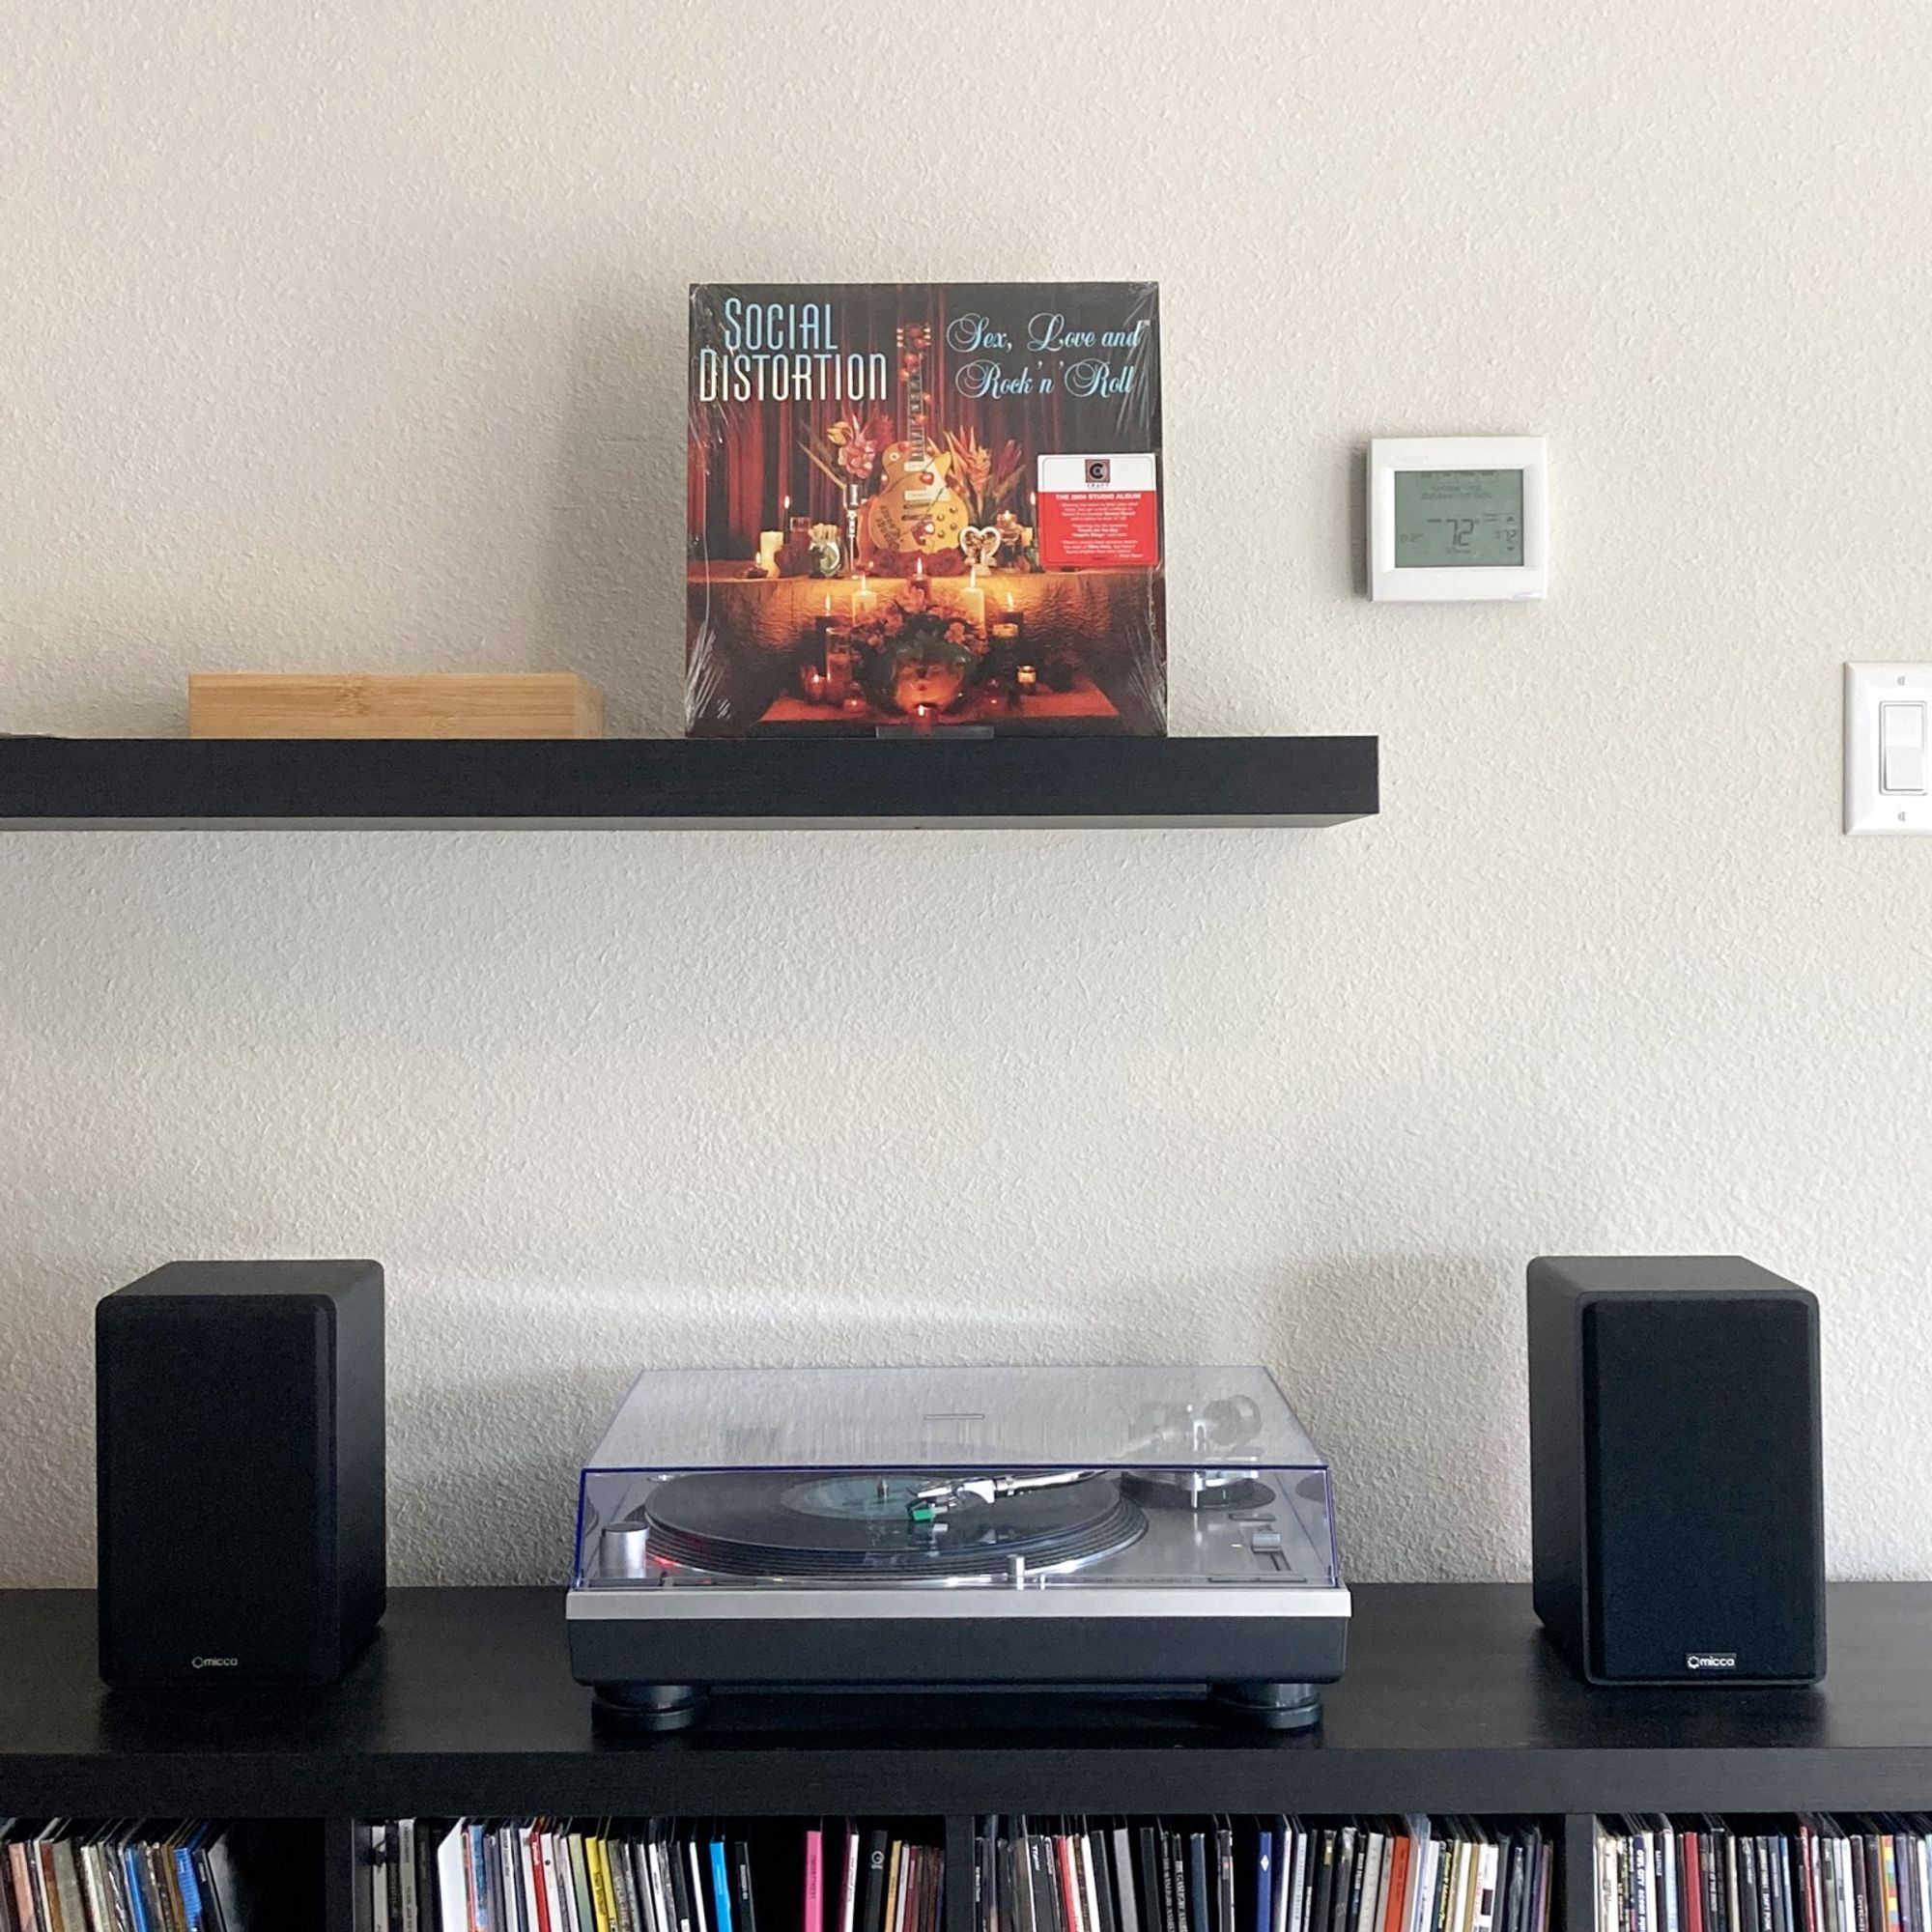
{"points": [[216, 1662], [1100, 471], [1712, 1659]]}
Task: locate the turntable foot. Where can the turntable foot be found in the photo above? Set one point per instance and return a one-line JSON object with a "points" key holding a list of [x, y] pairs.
{"points": [[647, 1707], [1271, 1707]]}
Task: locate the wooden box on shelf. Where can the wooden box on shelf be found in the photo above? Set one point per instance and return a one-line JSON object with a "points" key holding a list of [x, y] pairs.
{"points": [[336, 704]]}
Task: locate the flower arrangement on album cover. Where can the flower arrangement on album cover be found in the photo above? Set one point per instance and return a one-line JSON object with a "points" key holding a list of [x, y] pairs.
{"points": [[925, 507]]}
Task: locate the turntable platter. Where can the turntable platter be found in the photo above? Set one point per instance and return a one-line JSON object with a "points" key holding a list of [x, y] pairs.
{"points": [[836, 1523]]}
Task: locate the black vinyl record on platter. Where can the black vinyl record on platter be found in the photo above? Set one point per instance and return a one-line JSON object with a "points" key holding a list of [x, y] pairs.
{"points": [[833, 1523], [1196, 1489]]}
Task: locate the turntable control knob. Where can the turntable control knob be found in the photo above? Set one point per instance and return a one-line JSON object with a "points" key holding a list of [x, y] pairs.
{"points": [[623, 1546], [1265, 1540]]}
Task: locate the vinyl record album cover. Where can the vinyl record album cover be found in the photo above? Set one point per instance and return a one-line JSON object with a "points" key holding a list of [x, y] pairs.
{"points": [[925, 507]]}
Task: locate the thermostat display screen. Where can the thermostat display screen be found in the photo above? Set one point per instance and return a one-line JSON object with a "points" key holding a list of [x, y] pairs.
{"points": [[1449, 516]]}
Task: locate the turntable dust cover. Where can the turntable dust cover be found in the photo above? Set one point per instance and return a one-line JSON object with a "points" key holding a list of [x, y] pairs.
{"points": [[925, 507]]}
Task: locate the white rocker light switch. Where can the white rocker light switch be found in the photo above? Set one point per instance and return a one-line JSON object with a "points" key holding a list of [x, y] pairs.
{"points": [[1889, 748]]}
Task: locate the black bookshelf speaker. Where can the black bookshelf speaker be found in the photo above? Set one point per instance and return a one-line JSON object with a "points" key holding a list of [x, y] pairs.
{"points": [[1676, 1469], [241, 1519]]}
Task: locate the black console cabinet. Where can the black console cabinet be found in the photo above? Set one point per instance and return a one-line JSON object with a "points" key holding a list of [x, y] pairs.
{"points": [[1452, 1702]]}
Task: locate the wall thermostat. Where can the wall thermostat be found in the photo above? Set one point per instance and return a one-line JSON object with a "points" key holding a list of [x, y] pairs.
{"points": [[1458, 519]]}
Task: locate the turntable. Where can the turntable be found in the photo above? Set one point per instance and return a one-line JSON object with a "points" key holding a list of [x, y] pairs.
{"points": [[1120, 1529]]}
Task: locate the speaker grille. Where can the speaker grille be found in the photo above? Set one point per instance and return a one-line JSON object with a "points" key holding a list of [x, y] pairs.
{"points": [[216, 1511], [1701, 1461]]}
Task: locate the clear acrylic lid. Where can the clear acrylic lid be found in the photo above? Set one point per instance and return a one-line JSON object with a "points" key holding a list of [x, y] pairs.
{"points": [[955, 1418]]}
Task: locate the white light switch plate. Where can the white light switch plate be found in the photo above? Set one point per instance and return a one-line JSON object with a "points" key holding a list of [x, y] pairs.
{"points": [[1887, 747]]}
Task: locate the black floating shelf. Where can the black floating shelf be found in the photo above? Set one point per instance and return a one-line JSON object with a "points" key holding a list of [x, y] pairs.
{"points": [[68, 783]]}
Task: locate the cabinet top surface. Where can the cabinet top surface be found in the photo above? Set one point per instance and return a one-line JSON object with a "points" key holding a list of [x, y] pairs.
{"points": [[1445, 1668]]}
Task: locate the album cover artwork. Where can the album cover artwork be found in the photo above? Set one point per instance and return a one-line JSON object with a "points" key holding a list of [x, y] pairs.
{"points": [[925, 507]]}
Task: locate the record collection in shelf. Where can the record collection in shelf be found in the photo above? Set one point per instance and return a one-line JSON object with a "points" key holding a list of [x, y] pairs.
{"points": [[1811, 1873], [1279, 1874], [550, 1875], [70, 1875]]}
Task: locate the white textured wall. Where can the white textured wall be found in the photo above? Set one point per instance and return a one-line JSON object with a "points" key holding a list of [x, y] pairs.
{"points": [[352, 335]]}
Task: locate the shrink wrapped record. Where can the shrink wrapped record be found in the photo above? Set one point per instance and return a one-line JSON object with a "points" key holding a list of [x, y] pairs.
{"points": [[843, 1523]]}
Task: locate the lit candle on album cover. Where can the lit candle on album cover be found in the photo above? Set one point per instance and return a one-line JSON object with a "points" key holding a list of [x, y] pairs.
{"points": [[824, 625], [865, 602], [841, 661], [973, 601], [1008, 627]]}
